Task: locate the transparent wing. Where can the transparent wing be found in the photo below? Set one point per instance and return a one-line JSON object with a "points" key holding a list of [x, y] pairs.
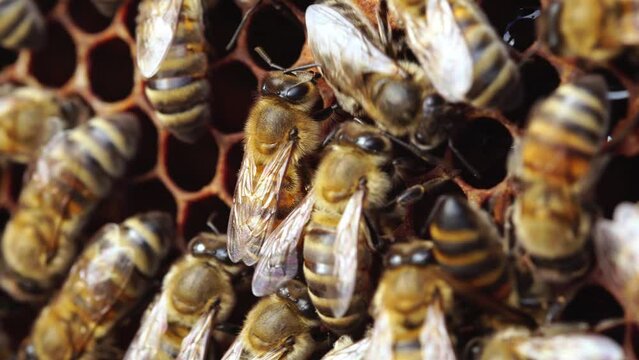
{"points": [[195, 344], [278, 261], [147, 340], [617, 245], [235, 351], [157, 24], [434, 337], [381, 345], [439, 45], [345, 52], [254, 208], [345, 253], [355, 351], [569, 347]]}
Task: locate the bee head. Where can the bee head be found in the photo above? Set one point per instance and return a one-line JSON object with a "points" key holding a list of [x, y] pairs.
{"points": [[418, 253], [296, 88], [296, 292], [207, 245], [364, 137]]}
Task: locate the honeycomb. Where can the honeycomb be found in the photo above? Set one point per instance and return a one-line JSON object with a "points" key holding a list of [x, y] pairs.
{"points": [[93, 57]]}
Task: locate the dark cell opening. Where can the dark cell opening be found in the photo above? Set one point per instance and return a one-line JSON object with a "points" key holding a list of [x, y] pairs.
{"points": [[485, 144], [617, 95], [198, 213], [303, 4], [520, 31], [87, 17], [233, 88], [17, 180], [221, 23], [500, 13], [45, 6], [420, 212], [146, 156], [111, 70], [58, 53], [147, 196], [617, 333], [7, 57], [234, 161], [634, 339], [618, 183], [192, 166], [279, 33], [532, 72], [592, 304], [130, 13]]}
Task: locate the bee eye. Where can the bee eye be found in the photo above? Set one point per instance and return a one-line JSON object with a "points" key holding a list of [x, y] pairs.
{"points": [[222, 255], [433, 100], [29, 286], [394, 260], [370, 143], [421, 257], [297, 92]]}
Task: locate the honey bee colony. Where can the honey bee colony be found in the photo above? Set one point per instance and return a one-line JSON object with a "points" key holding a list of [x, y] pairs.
{"points": [[493, 184]]}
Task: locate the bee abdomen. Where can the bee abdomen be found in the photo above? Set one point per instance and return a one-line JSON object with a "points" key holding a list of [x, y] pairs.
{"points": [[318, 267], [180, 91], [565, 268], [21, 24]]}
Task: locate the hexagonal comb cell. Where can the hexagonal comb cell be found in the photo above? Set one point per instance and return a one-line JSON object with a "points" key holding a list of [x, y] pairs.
{"points": [[199, 212], [279, 33], [86, 16], [233, 89], [223, 20], [147, 154], [55, 63], [149, 195], [108, 61], [203, 154]]}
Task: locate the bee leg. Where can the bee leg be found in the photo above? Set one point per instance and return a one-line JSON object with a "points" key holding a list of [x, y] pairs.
{"points": [[229, 328], [323, 114], [375, 242], [383, 27], [246, 16], [211, 225], [414, 193]]}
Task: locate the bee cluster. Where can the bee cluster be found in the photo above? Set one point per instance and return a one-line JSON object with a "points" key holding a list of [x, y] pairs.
{"points": [[375, 205]]}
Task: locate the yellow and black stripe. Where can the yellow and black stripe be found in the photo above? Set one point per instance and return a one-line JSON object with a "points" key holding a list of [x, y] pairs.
{"points": [[91, 302], [70, 178], [496, 80], [179, 91], [565, 133], [467, 248], [21, 24]]}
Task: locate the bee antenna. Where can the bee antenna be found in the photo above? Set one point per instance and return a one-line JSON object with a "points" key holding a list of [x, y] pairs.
{"points": [[303, 67], [211, 225], [245, 17], [267, 59], [463, 160]]}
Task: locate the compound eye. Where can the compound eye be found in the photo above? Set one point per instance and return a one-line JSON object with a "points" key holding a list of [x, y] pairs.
{"points": [[371, 143], [29, 286], [297, 92], [421, 257], [433, 100], [394, 260], [222, 255]]}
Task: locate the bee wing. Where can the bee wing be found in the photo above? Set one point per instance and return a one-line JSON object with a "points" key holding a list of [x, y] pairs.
{"points": [[157, 24], [344, 52], [345, 253], [381, 343], [439, 45], [433, 336], [147, 340], [254, 207], [278, 257], [616, 244], [570, 346], [235, 351], [195, 344], [355, 351]]}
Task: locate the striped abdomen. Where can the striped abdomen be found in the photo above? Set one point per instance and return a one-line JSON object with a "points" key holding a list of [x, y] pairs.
{"points": [[318, 265], [179, 91], [21, 24], [495, 80], [110, 276], [74, 173], [564, 135], [467, 249]]}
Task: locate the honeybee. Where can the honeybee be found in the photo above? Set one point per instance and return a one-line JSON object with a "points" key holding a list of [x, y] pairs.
{"points": [[30, 117], [108, 278], [172, 56], [345, 349], [468, 247], [555, 165], [350, 180], [280, 130], [107, 8], [617, 252], [366, 80], [21, 25], [592, 29], [76, 170], [196, 294], [280, 326], [459, 50], [516, 343]]}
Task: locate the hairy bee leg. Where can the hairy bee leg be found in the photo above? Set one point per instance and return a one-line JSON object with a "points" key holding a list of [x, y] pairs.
{"points": [[323, 114], [375, 242]]}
